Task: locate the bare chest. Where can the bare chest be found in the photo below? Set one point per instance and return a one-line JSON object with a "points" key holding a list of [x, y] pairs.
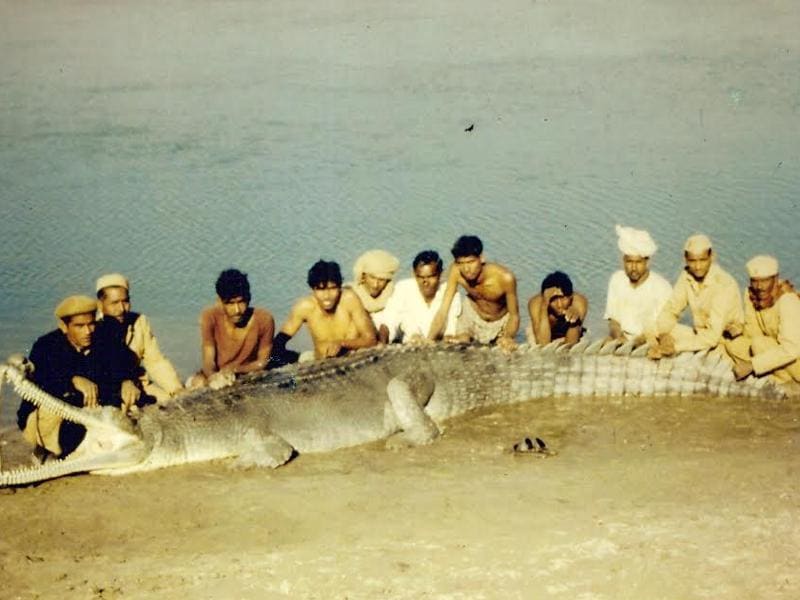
{"points": [[335, 327]]}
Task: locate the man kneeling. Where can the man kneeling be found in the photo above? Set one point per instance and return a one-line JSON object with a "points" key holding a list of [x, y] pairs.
{"points": [[74, 367], [771, 326], [336, 319], [236, 338]]}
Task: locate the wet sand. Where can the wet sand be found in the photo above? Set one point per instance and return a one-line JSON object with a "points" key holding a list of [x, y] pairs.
{"points": [[658, 498]]}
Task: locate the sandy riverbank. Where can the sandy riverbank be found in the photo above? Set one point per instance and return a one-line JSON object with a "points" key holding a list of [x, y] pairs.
{"points": [[579, 104], [646, 499]]}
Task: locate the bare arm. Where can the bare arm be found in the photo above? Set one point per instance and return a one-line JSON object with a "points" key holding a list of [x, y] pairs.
{"points": [[615, 330], [297, 316], [512, 303], [264, 348], [208, 348], [537, 308], [581, 307], [440, 320]]}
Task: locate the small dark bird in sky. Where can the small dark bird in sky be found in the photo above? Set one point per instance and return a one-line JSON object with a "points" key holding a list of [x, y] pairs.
{"points": [[471, 127]]}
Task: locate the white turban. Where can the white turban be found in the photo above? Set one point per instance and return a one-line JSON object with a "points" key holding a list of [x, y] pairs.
{"points": [[697, 243], [635, 242], [377, 263], [762, 266]]}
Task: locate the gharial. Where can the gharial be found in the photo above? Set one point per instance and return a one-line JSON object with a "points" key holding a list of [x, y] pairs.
{"points": [[265, 418]]}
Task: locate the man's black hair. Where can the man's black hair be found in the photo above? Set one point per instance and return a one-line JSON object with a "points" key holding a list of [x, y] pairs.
{"points": [[232, 283], [323, 272], [428, 257], [559, 280], [467, 245]]}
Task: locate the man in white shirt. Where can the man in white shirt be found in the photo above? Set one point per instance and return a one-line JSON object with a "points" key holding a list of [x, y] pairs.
{"points": [[636, 294], [415, 302]]}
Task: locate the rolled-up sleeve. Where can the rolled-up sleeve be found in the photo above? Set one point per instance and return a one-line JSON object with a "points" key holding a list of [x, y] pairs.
{"points": [[157, 366], [677, 303]]}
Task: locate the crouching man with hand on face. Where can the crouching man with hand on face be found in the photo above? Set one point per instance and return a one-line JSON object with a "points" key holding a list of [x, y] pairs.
{"points": [[557, 312]]}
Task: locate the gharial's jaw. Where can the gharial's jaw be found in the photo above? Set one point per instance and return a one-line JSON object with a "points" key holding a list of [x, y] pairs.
{"points": [[111, 440]]}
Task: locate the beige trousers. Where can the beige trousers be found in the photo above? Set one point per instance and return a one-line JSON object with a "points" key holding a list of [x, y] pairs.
{"points": [[745, 348], [41, 429]]}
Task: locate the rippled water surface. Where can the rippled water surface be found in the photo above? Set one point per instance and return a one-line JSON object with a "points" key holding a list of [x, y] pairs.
{"points": [[171, 142]]}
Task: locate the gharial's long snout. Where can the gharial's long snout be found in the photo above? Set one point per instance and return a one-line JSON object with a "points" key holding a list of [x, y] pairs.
{"points": [[111, 441]]}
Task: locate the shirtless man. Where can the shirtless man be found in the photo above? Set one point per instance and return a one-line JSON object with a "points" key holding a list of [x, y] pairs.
{"points": [[557, 312], [335, 317], [491, 312], [236, 338]]}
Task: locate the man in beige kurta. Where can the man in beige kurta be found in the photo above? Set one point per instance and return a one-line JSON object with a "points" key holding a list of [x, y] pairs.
{"points": [[160, 379], [712, 296], [771, 325]]}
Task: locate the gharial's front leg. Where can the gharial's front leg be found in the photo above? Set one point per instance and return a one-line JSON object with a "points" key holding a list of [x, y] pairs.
{"points": [[408, 397], [263, 450]]}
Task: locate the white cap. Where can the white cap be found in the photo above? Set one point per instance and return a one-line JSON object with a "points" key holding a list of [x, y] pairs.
{"points": [[112, 280], [762, 266], [697, 243]]}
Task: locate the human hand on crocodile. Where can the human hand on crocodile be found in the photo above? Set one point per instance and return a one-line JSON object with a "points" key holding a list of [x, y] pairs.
{"points": [[666, 344], [221, 379], [130, 394], [506, 344], [734, 330], [419, 340], [87, 388], [330, 349], [654, 352], [741, 368], [461, 338]]}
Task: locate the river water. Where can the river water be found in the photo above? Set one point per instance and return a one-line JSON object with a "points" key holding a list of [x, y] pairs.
{"points": [[169, 141]]}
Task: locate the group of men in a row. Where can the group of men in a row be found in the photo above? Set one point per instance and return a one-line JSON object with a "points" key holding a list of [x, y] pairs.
{"points": [[104, 353]]}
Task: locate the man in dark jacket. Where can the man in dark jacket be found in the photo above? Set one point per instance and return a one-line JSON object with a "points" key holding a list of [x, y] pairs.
{"points": [[70, 364]]}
